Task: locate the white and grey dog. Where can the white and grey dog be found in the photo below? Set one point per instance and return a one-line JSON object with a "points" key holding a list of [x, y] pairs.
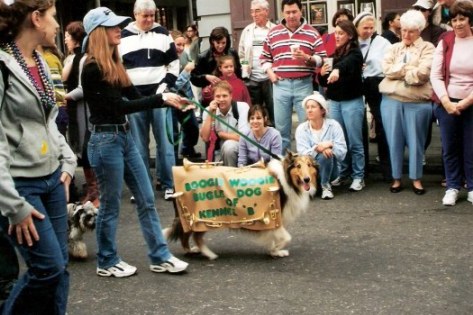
{"points": [[81, 219]]}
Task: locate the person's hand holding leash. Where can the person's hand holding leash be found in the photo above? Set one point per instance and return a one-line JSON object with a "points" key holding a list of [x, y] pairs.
{"points": [[174, 100]]}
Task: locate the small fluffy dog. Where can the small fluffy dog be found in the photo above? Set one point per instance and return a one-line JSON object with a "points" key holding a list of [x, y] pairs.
{"points": [[297, 176], [81, 219]]}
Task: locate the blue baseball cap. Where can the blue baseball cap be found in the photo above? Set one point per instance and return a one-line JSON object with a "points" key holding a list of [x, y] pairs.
{"points": [[102, 16]]}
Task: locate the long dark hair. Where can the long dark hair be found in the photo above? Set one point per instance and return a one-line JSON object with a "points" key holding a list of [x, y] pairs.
{"points": [[13, 18], [391, 16], [218, 34], [349, 28]]}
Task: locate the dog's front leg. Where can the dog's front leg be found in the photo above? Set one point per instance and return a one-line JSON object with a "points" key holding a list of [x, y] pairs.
{"points": [[281, 239]]}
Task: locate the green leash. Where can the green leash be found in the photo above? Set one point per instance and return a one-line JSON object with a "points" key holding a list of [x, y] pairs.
{"points": [[259, 146]]}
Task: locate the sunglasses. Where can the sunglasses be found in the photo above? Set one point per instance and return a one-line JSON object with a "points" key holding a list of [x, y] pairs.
{"points": [[421, 9]]}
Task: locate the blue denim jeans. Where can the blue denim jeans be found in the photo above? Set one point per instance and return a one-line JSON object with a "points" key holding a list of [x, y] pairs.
{"points": [[328, 169], [406, 124], [114, 158], [288, 95], [44, 287], [160, 119], [350, 116]]}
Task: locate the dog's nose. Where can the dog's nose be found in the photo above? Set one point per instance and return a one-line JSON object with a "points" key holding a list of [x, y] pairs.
{"points": [[306, 180]]}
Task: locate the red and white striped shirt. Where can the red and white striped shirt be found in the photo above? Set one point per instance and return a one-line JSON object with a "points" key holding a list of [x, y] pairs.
{"points": [[277, 50]]}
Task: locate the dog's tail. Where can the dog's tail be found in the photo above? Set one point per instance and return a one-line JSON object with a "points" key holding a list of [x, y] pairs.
{"points": [[176, 233]]}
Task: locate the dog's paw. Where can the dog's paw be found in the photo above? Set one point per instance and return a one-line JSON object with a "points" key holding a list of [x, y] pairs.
{"points": [[211, 256], [194, 250], [280, 253]]}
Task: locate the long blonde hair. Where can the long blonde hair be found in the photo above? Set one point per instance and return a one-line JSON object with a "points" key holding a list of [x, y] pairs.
{"points": [[107, 58]]}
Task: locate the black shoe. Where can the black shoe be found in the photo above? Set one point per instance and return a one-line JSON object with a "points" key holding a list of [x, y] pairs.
{"points": [[418, 191], [396, 189]]}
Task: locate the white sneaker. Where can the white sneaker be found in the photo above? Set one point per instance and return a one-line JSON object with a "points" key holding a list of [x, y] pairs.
{"points": [[470, 196], [168, 193], [339, 181], [357, 184], [451, 197], [173, 265], [120, 270], [327, 192]]}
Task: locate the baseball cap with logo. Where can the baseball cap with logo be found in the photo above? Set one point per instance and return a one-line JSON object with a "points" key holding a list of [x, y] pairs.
{"points": [[102, 16], [426, 4]]}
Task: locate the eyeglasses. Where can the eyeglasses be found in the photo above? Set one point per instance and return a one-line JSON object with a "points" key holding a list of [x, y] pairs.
{"points": [[255, 11], [421, 9]]}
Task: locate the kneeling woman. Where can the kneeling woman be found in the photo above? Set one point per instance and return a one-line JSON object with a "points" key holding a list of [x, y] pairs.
{"points": [[268, 137], [323, 139]]}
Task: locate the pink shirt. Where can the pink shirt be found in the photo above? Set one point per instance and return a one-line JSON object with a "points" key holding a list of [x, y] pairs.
{"points": [[461, 70]]}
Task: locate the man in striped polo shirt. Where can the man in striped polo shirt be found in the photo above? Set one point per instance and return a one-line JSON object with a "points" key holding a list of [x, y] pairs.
{"points": [[291, 51]]}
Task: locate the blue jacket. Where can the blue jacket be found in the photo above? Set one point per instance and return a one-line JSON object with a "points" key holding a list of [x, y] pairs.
{"points": [[331, 131]]}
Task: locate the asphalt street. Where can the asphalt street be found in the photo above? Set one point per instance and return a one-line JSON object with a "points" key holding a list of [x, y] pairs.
{"points": [[370, 252]]}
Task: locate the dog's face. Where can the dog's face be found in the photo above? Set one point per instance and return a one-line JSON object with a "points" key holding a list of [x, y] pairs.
{"points": [[301, 172], [82, 216]]}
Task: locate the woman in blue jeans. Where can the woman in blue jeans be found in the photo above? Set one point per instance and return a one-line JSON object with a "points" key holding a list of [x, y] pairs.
{"points": [[344, 92], [111, 150], [36, 164]]}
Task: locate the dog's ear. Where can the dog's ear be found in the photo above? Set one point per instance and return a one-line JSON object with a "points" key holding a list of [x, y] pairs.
{"points": [[289, 155], [78, 211]]}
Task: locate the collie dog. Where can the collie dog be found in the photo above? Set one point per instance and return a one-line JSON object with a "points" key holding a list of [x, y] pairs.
{"points": [[297, 176], [81, 218]]}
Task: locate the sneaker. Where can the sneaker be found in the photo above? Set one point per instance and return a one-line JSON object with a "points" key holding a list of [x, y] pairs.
{"points": [[173, 265], [327, 192], [357, 184], [120, 270], [451, 197], [339, 181], [168, 193], [470, 196]]}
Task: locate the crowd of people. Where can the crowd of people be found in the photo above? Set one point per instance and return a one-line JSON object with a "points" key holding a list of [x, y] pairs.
{"points": [[124, 79]]}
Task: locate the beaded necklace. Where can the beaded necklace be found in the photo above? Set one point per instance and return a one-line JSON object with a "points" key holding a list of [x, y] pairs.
{"points": [[47, 95]]}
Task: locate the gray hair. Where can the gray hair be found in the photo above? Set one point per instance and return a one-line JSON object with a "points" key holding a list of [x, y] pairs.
{"points": [[144, 5], [413, 19], [260, 3]]}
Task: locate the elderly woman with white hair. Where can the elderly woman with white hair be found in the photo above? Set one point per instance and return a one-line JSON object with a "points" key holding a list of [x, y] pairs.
{"points": [[323, 139], [406, 108]]}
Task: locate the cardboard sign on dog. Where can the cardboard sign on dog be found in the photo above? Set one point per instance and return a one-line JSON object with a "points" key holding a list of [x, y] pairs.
{"points": [[210, 197]]}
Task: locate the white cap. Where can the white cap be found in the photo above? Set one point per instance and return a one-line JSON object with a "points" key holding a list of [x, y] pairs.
{"points": [[426, 4], [317, 97]]}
